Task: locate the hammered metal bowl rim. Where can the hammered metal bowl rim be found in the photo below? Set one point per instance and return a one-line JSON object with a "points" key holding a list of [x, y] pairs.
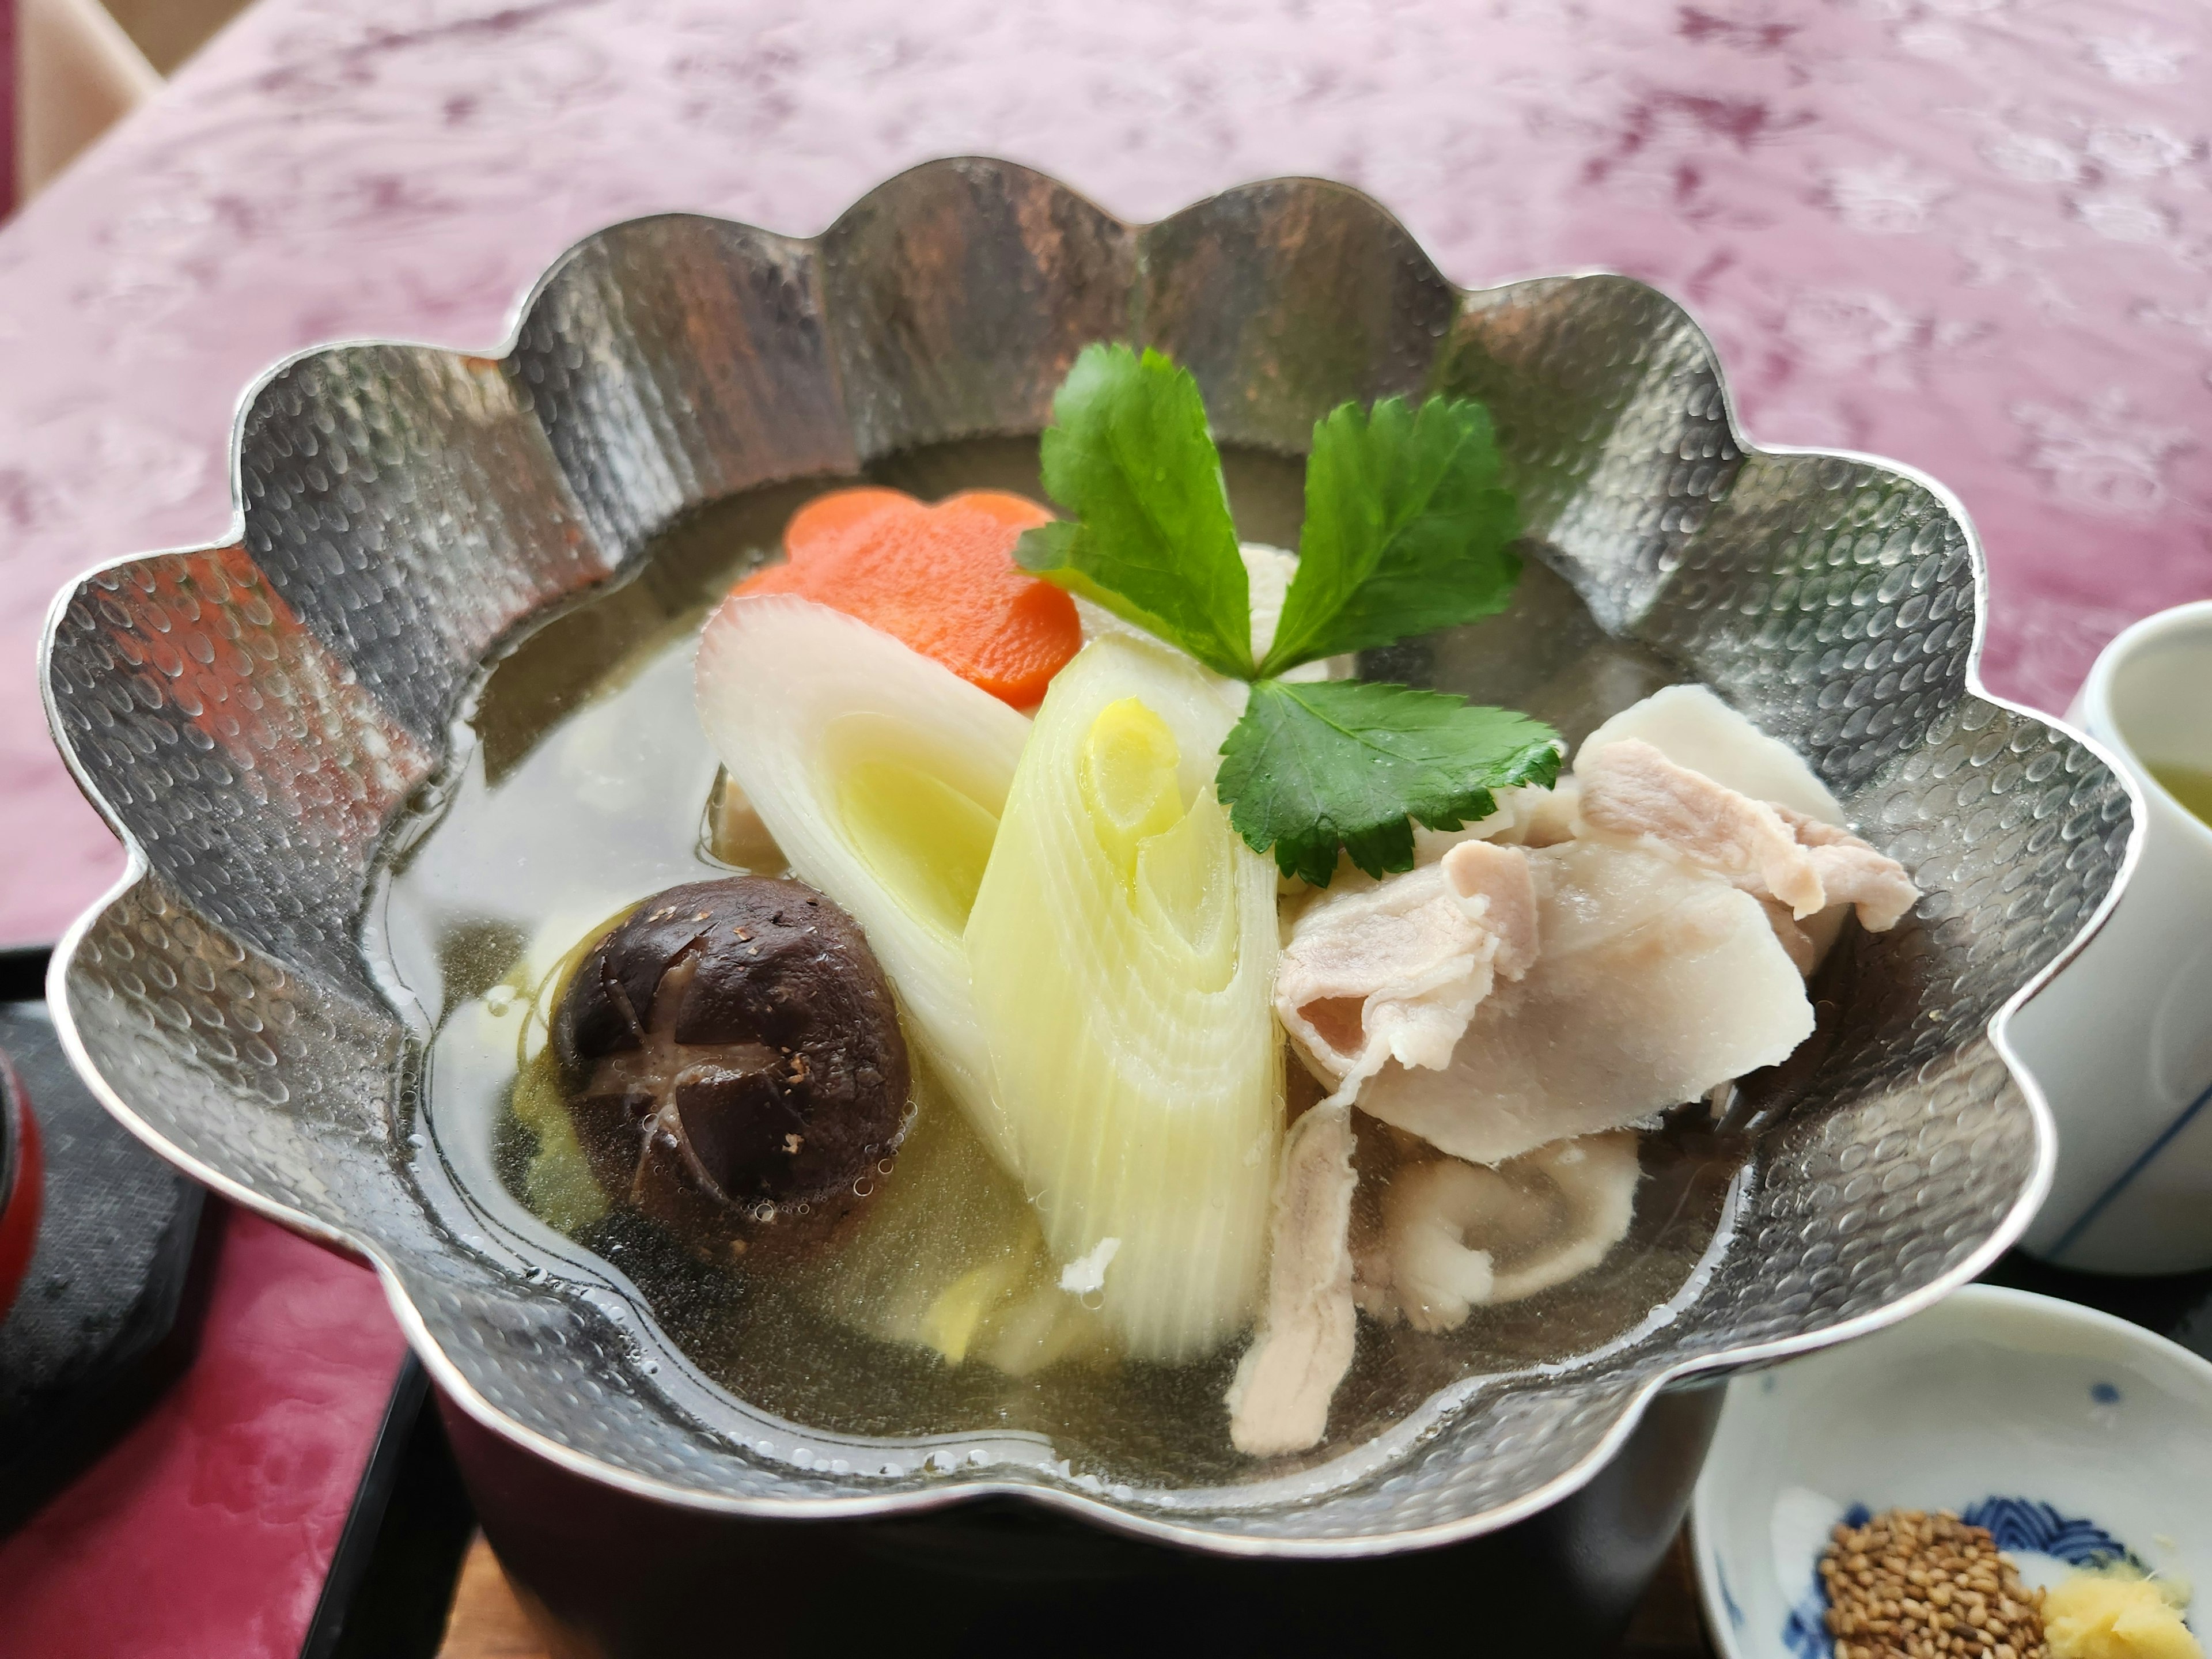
{"points": [[1145, 1524]]}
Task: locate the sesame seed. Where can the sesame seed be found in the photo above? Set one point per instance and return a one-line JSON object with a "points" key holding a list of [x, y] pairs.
{"points": [[1909, 1584]]}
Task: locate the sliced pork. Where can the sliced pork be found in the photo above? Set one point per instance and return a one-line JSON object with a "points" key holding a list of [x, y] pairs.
{"points": [[1632, 794], [1278, 1398], [1655, 982], [1457, 1235], [1392, 970]]}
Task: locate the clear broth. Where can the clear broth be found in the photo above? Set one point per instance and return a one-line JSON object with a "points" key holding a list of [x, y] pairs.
{"points": [[579, 785]]}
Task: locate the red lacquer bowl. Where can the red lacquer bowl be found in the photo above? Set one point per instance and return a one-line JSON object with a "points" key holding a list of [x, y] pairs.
{"points": [[23, 1176]]}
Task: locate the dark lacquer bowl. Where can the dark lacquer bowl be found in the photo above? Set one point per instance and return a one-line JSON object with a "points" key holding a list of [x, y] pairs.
{"points": [[253, 717]]}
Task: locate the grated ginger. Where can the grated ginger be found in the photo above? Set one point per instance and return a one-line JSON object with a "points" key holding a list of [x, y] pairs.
{"points": [[2116, 1613]]}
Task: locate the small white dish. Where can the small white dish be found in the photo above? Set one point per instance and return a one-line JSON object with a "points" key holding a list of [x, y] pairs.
{"points": [[2071, 1434]]}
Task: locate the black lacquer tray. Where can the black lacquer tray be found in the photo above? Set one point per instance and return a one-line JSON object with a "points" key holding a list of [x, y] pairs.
{"points": [[109, 1311]]}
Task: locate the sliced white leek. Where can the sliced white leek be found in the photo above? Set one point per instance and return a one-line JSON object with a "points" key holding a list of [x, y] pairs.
{"points": [[1122, 948], [881, 774]]}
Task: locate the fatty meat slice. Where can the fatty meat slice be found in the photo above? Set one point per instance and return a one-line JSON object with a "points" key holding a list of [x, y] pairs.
{"points": [[1278, 1398], [1693, 728], [1654, 982], [1632, 792], [1458, 1236], [1852, 873], [1394, 969]]}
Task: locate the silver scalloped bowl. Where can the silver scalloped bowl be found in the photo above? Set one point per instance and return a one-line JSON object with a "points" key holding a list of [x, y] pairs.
{"points": [[254, 718]]}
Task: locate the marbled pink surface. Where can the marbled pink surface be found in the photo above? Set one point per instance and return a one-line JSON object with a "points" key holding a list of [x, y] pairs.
{"points": [[1973, 234]]}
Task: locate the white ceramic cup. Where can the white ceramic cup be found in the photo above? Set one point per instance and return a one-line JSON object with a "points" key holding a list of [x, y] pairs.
{"points": [[2121, 1040]]}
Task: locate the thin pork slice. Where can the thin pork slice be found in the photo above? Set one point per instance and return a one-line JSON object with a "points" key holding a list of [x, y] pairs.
{"points": [[1278, 1398], [1496, 887], [1852, 873], [1390, 971], [1458, 1236], [1394, 969], [1632, 791], [1655, 981], [1693, 728], [1698, 733]]}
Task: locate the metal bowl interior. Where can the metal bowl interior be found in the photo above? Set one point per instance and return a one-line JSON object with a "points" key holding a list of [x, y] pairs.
{"points": [[253, 717]]}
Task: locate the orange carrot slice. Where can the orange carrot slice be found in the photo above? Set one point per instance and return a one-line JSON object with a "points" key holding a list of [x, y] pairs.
{"points": [[840, 510], [941, 578]]}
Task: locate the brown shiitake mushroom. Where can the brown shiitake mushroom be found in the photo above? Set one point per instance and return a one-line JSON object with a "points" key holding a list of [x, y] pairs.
{"points": [[733, 1062]]}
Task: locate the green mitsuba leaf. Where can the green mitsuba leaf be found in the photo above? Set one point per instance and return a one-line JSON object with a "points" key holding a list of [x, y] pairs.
{"points": [[1407, 529], [1351, 763], [1129, 456]]}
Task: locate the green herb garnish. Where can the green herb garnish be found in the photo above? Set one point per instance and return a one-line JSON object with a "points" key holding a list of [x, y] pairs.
{"points": [[1129, 455], [1326, 763], [1407, 529]]}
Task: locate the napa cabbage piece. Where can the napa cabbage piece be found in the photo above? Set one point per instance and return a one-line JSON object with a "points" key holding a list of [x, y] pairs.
{"points": [[1122, 950], [881, 774]]}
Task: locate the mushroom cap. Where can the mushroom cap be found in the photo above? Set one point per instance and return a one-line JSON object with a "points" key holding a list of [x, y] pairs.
{"points": [[734, 1060]]}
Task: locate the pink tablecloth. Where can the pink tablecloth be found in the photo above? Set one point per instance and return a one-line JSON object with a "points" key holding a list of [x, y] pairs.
{"points": [[1973, 234], [1970, 234]]}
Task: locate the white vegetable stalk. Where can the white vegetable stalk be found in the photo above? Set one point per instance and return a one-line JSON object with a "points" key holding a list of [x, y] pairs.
{"points": [[881, 774], [1122, 950]]}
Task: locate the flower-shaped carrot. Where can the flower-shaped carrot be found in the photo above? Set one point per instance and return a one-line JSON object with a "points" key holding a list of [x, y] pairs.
{"points": [[941, 578]]}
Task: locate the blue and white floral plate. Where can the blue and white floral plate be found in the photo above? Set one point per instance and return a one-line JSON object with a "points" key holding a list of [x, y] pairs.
{"points": [[2072, 1436]]}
